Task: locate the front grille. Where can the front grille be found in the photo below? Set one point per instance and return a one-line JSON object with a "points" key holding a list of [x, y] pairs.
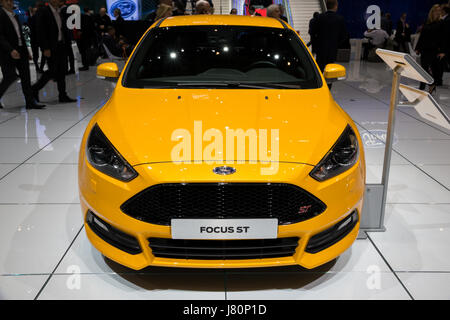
{"points": [[223, 249], [161, 203], [333, 235], [111, 235]]}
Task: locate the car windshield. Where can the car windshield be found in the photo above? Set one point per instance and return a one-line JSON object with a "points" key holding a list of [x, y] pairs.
{"points": [[221, 57]]}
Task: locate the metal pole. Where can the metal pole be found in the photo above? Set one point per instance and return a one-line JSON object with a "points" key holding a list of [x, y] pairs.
{"points": [[390, 139]]}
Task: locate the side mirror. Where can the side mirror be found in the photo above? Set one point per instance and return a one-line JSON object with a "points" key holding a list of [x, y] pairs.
{"points": [[334, 72], [108, 71]]}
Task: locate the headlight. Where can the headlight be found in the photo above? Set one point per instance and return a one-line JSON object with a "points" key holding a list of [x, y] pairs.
{"points": [[105, 158], [342, 156]]}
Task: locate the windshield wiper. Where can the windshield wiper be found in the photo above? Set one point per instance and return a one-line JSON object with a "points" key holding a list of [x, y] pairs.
{"points": [[286, 85], [228, 84], [236, 84]]}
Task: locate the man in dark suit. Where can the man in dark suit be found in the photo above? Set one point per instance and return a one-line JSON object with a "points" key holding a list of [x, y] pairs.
{"points": [[102, 21], [68, 36], [386, 23], [34, 43], [313, 37], [86, 38], [51, 38], [14, 54], [402, 35], [331, 34]]}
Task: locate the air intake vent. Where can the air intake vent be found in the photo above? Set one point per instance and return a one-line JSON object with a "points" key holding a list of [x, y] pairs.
{"points": [[336, 233], [111, 235]]}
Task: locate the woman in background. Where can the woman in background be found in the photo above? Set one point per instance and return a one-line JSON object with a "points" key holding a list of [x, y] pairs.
{"points": [[429, 45], [163, 11]]}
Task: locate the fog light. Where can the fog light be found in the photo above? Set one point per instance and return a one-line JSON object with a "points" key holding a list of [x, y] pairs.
{"points": [[112, 235]]}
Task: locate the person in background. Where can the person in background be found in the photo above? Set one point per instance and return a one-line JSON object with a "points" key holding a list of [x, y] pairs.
{"points": [[313, 36], [252, 11], [377, 39], [419, 28], [118, 15], [14, 54], [51, 38], [86, 38], [111, 41], [331, 34], [430, 45], [68, 36], [444, 56], [163, 11], [386, 23], [259, 3], [34, 43], [102, 21], [446, 21], [203, 7], [234, 11], [273, 11], [180, 7], [152, 15], [282, 13], [402, 35], [117, 45], [118, 23], [194, 6]]}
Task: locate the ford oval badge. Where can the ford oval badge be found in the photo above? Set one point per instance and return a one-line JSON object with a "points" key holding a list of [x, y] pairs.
{"points": [[224, 171], [127, 8]]}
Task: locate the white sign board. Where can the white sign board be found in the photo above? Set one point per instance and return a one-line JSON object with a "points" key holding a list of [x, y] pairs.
{"points": [[426, 106], [410, 68]]}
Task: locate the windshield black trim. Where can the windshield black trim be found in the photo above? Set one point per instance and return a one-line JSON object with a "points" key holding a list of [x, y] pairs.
{"points": [[283, 23], [160, 21], [310, 57], [136, 50]]}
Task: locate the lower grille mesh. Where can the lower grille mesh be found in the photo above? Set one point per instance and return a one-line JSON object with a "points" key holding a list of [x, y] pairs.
{"points": [[223, 249]]}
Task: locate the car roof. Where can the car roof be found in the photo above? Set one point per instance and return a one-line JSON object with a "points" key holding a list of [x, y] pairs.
{"points": [[232, 20]]}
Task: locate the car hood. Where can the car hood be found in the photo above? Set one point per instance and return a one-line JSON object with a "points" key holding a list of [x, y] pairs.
{"points": [[144, 124]]}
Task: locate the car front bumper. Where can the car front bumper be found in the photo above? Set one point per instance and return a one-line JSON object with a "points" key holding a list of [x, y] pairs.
{"points": [[103, 196]]}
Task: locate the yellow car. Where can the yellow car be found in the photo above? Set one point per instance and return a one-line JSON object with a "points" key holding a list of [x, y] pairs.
{"points": [[221, 147]]}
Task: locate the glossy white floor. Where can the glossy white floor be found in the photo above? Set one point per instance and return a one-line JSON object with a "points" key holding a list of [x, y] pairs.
{"points": [[44, 253]]}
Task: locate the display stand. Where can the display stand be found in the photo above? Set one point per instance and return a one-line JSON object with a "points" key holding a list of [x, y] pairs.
{"points": [[402, 65]]}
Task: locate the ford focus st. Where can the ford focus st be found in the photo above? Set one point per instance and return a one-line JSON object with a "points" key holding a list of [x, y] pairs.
{"points": [[221, 147]]}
